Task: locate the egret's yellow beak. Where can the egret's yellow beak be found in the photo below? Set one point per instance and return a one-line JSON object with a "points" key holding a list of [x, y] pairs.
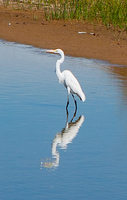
{"points": [[51, 51]]}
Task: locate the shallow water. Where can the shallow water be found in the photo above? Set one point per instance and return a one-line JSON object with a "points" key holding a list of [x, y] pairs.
{"points": [[42, 156]]}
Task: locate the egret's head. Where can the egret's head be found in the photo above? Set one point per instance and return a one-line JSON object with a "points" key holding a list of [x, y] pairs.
{"points": [[58, 51]]}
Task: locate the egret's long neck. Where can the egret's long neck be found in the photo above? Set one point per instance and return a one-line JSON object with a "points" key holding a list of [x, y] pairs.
{"points": [[58, 72]]}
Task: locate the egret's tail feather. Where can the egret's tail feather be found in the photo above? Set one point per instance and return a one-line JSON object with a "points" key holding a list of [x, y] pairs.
{"points": [[83, 97]]}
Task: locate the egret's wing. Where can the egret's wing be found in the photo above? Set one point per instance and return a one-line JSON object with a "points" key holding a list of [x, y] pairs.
{"points": [[72, 82]]}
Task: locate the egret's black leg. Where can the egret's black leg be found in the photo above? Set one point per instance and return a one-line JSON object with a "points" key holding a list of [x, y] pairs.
{"points": [[75, 102], [67, 119], [68, 92], [67, 104], [67, 110], [75, 105]]}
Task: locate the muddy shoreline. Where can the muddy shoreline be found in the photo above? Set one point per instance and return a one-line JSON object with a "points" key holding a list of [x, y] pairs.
{"points": [[30, 27]]}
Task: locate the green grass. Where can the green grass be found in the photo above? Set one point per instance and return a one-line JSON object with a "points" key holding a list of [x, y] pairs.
{"points": [[112, 13], [109, 12]]}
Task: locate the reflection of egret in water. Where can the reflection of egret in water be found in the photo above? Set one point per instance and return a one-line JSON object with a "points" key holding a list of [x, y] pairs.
{"points": [[62, 139]]}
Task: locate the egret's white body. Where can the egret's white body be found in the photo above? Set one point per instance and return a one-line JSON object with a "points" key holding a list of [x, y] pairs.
{"points": [[68, 79]]}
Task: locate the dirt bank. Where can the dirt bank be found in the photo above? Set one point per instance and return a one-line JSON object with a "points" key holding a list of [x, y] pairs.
{"points": [[29, 27]]}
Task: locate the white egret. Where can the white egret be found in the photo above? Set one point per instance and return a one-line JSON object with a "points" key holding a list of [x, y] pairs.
{"points": [[68, 79]]}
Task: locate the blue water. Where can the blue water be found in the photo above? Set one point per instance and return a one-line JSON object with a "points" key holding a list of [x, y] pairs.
{"points": [[42, 154]]}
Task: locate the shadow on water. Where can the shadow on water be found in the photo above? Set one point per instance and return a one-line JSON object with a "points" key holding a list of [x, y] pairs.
{"points": [[120, 72], [62, 139]]}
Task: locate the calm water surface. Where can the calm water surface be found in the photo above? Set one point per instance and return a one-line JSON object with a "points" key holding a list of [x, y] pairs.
{"points": [[42, 156]]}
